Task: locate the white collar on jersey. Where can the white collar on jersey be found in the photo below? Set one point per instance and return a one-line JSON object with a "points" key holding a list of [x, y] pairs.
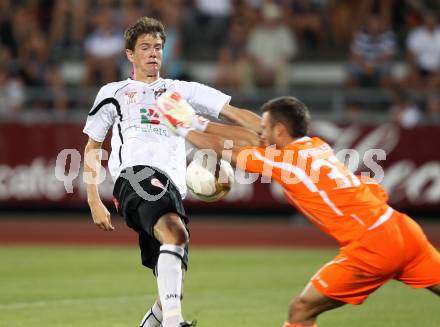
{"points": [[301, 139], [160, 79]]}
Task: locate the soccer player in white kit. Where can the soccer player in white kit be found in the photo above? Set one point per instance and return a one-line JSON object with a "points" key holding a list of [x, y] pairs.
{"points": [[148, 163]]}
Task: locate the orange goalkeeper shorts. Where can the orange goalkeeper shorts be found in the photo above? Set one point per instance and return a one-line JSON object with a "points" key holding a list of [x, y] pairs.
{"points": [[397, 249]]}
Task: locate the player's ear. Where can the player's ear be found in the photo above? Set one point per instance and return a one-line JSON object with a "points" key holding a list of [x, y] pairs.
{"points": [[279, 129], [129, 54]]}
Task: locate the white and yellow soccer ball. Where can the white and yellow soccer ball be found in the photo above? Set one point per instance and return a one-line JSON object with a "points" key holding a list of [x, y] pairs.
{"points": [[209, 183]]}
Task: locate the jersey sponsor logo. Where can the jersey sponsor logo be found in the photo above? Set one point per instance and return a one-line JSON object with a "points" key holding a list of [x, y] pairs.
{"points": [[131, 97], [149, 116], [150, 128]]}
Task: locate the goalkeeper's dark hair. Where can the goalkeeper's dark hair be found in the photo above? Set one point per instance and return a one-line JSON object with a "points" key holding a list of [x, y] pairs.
{"points": [[291, 112], [145, 25]]}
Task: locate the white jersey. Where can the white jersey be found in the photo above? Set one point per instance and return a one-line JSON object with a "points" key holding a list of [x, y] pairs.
{"points": [[139, 137]]}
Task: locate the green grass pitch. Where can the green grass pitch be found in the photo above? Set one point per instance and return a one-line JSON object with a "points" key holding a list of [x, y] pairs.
{"points": [[107, 287]]}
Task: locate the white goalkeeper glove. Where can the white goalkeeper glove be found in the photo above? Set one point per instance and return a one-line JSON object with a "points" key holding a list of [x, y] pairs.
{"points": [[174, 107], [178, 114]]}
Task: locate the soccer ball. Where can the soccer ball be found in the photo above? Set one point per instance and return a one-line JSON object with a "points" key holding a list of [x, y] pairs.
{"points": [[207, 182]]}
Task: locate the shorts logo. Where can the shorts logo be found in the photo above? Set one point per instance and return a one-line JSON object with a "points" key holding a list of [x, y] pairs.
{"points": [[157, 183], [131, 97]]}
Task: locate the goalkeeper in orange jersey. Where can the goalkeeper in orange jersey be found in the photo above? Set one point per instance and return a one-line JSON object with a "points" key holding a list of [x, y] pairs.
{"points": [[377, 243]]}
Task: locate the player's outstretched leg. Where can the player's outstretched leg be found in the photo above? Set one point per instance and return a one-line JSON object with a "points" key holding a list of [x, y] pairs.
{"points": [[171, 233], [435, 289], [153, 317], [305, 308]]}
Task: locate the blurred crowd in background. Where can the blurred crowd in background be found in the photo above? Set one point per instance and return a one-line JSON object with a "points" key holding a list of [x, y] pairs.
{"points": [[253, 44]]}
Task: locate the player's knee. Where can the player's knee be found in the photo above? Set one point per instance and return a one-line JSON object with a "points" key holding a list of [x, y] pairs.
{"points": [[171, 232], [176, 236], [181, 236], [299, 307]]}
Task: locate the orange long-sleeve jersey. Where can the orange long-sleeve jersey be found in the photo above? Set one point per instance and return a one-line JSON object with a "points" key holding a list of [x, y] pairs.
{"points": [[321, 187]]}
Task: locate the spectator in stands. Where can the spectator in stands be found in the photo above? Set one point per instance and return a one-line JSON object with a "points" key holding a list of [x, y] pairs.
{"points": [[68, 27], [306, 20], [131, 11], [24, 21], [5, 56], [270, 47], [6, 28], [433, 109], [423, 47], [40, 71], [103, 47], [403, 111], [205, 27], [346, 16], [248, 11], [372, 51], [213, 16], [231, 63], [172, 60], [12, 94], [155, 8]]}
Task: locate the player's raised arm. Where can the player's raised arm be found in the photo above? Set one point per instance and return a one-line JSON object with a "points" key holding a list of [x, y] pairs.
{"points": [[242, 117], [240, 136], [214, 142], [211, 102], [180, 117], [179, 114], [196, 135], [92, 165]]}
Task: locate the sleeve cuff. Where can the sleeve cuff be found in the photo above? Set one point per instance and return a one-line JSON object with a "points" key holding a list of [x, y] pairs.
{"points": [[226, 101], [94, 136]]}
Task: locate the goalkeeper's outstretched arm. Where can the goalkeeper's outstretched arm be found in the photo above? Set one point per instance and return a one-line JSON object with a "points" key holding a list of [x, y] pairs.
{"points": [[180, 117], [176, 109], [242, 117], [203, 140], [240, 136]]}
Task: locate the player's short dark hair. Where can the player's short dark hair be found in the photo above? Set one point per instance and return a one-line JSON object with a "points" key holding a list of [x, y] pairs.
{"points": [[145, 25], [291, 112]]}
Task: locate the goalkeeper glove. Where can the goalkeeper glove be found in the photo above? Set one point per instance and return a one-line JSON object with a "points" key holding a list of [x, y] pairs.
{"points": [[178, 114], [174, 107]]}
